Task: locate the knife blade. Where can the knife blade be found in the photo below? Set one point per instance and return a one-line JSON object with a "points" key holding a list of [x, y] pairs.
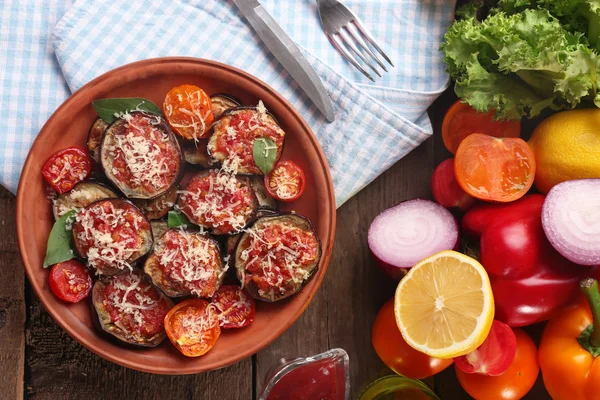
{"points": [[287, 53]]}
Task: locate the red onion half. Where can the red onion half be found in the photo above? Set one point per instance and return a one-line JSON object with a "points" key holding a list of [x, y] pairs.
{"points": [[571, 220], [405, 234]]}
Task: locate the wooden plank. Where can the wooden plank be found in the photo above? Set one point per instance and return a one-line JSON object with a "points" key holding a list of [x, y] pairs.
{"points": [[60, 368], [12, 302]]}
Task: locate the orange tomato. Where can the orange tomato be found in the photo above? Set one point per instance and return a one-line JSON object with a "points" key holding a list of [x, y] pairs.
{"points": [[461, 120], [189, 111], [514, 383], [494, 169], [193, 327], [396, 353]]}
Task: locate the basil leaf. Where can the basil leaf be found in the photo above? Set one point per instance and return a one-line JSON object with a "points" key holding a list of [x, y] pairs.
{"points": [[60, 242], [264, 152], [177, 219], [107, 108]]}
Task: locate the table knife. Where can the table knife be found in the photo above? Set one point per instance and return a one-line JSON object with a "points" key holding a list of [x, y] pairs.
{"points": [[287, 53]]}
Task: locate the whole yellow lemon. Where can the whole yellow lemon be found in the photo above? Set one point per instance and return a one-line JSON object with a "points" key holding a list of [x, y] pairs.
{"points": [[566, 146]]}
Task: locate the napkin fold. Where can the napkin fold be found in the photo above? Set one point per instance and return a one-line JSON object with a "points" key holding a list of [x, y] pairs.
{"points": [[375, 125]]}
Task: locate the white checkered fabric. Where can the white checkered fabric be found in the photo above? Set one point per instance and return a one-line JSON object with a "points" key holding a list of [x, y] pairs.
{"points": [[376, 124]]}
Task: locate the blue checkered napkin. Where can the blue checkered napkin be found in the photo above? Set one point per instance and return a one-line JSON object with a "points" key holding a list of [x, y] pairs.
{"points": [[375, 125]]}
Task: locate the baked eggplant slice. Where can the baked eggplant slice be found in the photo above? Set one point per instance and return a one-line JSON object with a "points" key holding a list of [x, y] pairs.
{"points": [[185, 263], [276, 256], [196, 154], [82, 195], [221, 103], [112, 234], [218, 201], [264, 198], [158, 229], [158, 207], [232, 240], [94, 139], [141, 156], [234, 134], [132, 310]]}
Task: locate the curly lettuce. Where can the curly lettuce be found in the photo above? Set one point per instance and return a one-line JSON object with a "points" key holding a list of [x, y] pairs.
{"points": [[523, 57]]}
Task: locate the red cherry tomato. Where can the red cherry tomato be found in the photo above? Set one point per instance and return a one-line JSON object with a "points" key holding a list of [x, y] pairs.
{"points": [[396, 353], [286, 181], [494, 356], [514, 383], [445, 188], [461, 120], [493, 169], [70, 281], [66, 168], [193, 327], [235, 307]]}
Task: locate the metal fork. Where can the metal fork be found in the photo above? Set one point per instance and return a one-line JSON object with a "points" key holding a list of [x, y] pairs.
{"points": [[347, 33]]}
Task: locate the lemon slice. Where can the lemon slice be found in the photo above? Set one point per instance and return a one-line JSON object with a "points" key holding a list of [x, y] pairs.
{"points": [[444, 306]]}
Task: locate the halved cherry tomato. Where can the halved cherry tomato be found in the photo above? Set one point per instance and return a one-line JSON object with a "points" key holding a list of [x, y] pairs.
{"points": [[286, 181], [514, 383], [461, 120], [494, 169], [67, 167], [235, 307], [445, 188], [494, 356], [70, 281], [193, 327], [396, 353], [189, 111]]}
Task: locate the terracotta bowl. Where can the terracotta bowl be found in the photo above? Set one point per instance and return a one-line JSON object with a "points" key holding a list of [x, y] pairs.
{"points": [[152, 79]]}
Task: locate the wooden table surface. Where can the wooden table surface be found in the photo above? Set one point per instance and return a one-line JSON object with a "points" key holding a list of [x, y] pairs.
{"points": [[40, 361]]}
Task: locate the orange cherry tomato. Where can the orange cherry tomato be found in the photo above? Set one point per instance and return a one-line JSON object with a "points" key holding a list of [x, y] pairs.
{"points": [[493, 169], [193, 327], [286, 182], [514, 383], [461, 120], [396, 353], [189, 111]]}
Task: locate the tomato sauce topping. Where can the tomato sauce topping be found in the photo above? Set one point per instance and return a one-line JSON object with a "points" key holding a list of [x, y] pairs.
{"points": [[144, 156], [235, 135], [135, 306], [108, 234], [218, 201], [278, 256], [189, 260]]}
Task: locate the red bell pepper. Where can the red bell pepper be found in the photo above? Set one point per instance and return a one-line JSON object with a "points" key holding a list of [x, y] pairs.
{"points": [[530, 280]]}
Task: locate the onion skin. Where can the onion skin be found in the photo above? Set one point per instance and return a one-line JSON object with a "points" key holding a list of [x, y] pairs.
{"points": [[571, 220], [397, 257]]}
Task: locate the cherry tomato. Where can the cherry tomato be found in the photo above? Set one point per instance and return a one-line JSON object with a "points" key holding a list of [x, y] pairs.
{"points": [[286, 181], [494, 169], [396, 353], [67, 167], [189, 111], [514, 383], [445, 188], [193, 327], [235, 307], [461, 120], [494, 356], [70, 281]]}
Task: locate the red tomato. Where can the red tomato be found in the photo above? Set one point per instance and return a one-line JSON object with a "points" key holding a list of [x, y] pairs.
{"points": [[494, 356], [66, 168], [396, 353], [494, 169], [70, 281], [514, 383], [189, 111], [193, 327], [235, 307], [461, 120], [286, 181], [445, 188]]}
